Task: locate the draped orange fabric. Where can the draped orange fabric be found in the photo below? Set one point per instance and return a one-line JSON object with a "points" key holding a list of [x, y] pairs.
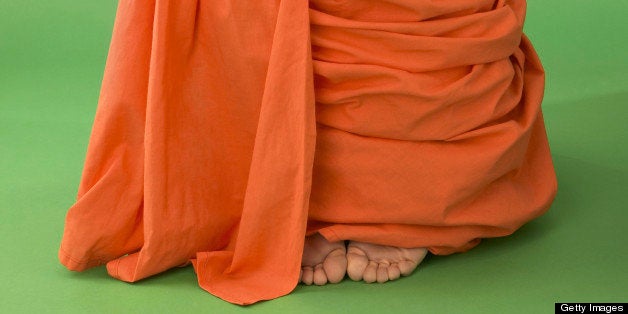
{"points": [[228, 130]]}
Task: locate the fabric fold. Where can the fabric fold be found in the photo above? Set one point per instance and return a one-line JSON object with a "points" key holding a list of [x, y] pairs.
{"points": [[266, 258], [430, 131], [217, 166]]}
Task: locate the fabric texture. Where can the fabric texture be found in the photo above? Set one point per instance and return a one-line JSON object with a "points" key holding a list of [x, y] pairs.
{"points": [[228, 130]]}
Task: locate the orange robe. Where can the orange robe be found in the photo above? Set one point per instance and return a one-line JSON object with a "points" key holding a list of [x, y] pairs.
{"points": [[228, 130]]}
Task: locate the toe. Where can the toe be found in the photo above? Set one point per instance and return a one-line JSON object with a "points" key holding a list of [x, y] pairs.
{"points": [[415, 257], [320, 278], [407, 267], [370, 273], [393, 272], [382, 272], [356, 263], [335, 265], [307, 276]]}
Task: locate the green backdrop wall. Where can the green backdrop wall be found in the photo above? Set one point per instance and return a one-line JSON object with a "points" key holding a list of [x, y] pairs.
{"points": [[52, 55]]}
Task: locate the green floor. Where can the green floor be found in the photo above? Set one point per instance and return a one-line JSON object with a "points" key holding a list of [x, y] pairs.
{"points": [[52, 55]]}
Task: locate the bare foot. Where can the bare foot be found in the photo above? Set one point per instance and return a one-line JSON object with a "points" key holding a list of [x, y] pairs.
{"points": [[372, 262], [323, 261]]}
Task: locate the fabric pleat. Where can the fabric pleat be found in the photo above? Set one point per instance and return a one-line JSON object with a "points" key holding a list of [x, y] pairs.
{"points": [[227, 130], [430, 128]]}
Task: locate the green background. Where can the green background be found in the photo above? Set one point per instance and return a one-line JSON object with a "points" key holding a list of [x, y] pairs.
{"points": [[52, 56]]}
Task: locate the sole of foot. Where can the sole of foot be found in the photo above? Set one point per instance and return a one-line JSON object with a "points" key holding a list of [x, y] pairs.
{"points": [[323, 261], [380, 263]]}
